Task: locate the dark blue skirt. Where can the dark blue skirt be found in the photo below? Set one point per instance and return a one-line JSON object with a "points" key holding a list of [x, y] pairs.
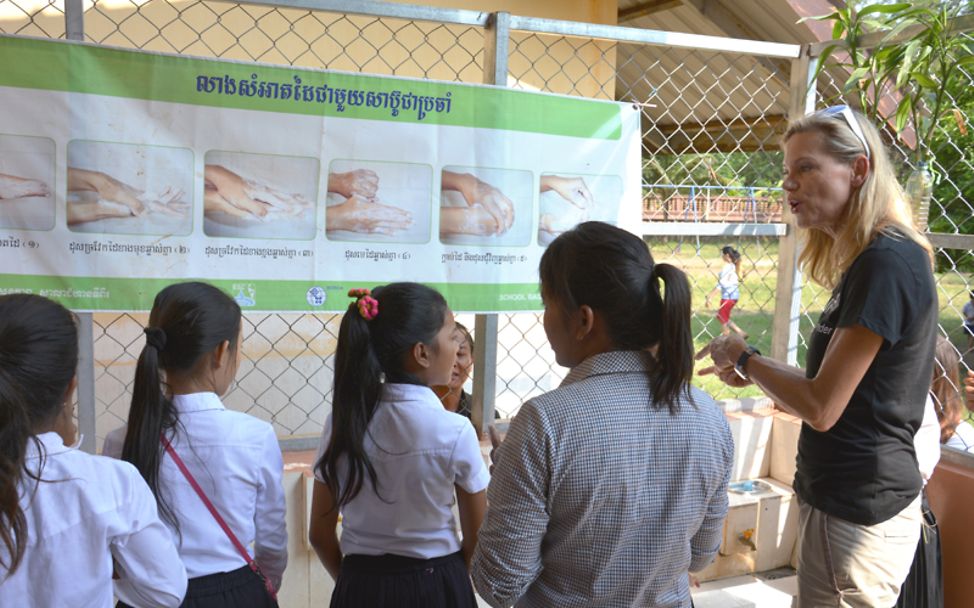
{"points": [[241, 588], [924, 585], [394, 581]]}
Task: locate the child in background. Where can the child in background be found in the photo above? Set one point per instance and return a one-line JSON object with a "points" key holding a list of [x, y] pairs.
{"points": [[68, 520], [955, 431], [728, 285], [393, 461], [191, 357], [923, 587]]}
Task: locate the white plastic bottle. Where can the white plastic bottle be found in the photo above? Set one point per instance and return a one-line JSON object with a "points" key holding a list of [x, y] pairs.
{"points": [[919, 187]]}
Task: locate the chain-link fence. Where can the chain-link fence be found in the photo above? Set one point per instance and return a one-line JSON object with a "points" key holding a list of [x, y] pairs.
{"points": [[43, 19], [711, 122]]}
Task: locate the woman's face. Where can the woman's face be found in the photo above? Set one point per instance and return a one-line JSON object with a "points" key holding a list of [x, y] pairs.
{"points": [[464, 362], [819, 187]]}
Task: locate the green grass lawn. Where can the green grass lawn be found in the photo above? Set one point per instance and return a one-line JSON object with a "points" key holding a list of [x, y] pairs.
{"points": [[753, 313]]}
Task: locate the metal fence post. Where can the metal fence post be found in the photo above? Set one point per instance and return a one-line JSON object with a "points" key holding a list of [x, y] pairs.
{"points": [[788, 290], [74, 29], [86, 381], [74, 19], [496, 47], [497, 41]]}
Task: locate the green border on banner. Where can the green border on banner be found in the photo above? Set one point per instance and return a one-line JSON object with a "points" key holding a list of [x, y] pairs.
{"points": [[136, 294], [81, 68]]}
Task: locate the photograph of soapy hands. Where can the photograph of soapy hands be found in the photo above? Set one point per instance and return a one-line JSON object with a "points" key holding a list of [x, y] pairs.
{"points": [[13, 186], [226, 191], [26, 182], [487, 211], [259, 195], [567, 200], [360, 209], [485, 206], [25, 202], [379, 201], [568, 203], [129, 188], [94, 195]]}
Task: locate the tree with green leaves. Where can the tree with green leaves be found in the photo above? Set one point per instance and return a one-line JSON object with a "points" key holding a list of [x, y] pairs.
{"points": [[901, 61]]}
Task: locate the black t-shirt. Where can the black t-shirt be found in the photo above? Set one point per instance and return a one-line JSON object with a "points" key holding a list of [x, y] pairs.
{"points": [[864, 469]]}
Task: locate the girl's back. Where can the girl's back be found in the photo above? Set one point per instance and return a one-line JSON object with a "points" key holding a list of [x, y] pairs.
{"points": [[69, 522], [237, 461], [729, 282], [419, 451], [85, 505], [394, 462], [191, 357]]}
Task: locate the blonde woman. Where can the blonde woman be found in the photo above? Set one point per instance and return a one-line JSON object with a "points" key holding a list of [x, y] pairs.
{"points": [[860, 398]]}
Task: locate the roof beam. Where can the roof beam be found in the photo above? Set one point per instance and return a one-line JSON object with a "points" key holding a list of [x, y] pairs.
{"points": [[732, 25], [647, 8], [739, 134], [727, 20]]}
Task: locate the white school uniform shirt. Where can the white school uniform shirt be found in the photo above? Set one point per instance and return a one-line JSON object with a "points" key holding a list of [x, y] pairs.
{"points": [[420, 452], [87, 511], [729, 283], [963, 438], [926, 442], [237, 462]]}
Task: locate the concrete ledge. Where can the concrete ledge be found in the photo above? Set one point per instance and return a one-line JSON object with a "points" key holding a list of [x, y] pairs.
{"points": [[746, 404]]}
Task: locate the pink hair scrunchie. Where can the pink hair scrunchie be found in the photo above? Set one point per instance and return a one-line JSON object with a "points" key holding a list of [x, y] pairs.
{"points": [[368, 306]]}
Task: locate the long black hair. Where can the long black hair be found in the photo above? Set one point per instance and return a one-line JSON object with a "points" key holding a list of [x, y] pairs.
{"points": [[38, 360], [734, 255], [188, 321], [369, 353], [612, 271]]}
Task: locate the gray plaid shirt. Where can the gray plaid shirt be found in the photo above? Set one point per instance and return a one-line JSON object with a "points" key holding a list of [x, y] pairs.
{"points": [[597, 498]]}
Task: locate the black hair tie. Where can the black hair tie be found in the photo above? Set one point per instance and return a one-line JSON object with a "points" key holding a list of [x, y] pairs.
{"points": [[155, 337]]}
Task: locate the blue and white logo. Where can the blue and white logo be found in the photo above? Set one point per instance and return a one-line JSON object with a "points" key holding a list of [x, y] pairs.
{"points": [[316, 296], [245, 294]]}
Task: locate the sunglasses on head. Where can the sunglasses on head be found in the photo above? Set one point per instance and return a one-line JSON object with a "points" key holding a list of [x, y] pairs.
{"points": [[850, 119]]}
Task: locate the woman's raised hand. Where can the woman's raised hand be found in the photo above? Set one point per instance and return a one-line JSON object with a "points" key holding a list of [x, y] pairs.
{"points": [[724, 352]]}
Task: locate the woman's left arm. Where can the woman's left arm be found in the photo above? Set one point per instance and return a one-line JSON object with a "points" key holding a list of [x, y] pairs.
{"points": [[819, 401]]}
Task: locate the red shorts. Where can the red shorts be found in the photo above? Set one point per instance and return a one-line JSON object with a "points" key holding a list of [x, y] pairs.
{"points": [[723, 313]]}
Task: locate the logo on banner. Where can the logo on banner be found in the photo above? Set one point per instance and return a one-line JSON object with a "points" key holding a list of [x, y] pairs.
{"points": [[316, 296], [245, 294]]}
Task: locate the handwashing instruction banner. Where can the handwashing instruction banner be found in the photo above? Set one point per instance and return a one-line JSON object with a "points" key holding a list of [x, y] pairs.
{"points": [[124, 171]]}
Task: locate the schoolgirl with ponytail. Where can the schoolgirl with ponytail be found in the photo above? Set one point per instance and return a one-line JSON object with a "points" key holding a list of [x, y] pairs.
{"points": [[393, 461], [610, 488], [729, 288], [190, 359], [68, 520]]}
